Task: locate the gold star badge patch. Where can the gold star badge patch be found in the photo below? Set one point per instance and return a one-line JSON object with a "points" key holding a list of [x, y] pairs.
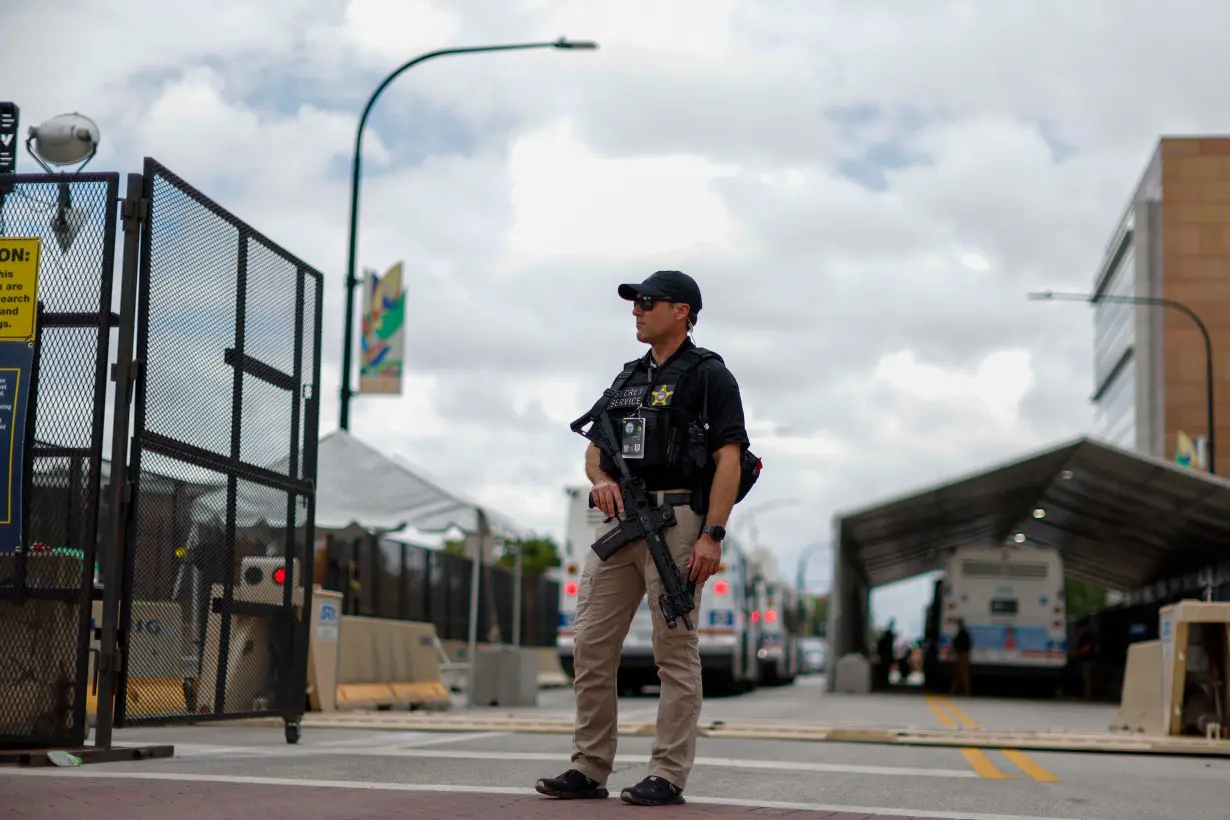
{"points": [[661, 396]]}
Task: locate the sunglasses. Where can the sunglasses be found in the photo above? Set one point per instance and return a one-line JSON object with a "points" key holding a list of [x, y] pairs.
{"points": [[646, 303]]}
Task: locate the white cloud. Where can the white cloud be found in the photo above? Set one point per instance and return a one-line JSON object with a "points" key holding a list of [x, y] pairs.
{"points": [[975, 260], [570, 202], [398, 29], [880, 334], [998, 384]]}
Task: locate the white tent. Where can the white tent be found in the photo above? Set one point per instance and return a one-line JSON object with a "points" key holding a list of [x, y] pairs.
{"points": [[361, 490]]}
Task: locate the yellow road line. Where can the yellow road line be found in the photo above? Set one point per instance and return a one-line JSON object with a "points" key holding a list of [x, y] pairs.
{"points": [[969, 722], [1022, 762], [933, 702], [982, 764], [1018, 758], [977, 759]]}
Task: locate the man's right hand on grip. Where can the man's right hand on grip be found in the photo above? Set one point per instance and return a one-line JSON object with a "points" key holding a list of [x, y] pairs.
{"points": [[608, 497]]}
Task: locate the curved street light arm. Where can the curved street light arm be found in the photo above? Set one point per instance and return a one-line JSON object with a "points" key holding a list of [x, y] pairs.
{"points": [[354, 186]]}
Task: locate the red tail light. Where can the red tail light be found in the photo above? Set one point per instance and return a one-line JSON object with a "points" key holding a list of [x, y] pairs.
{"points": [[770, 616], [279, 576], [571, 588], [755, 617], [721, 588]]}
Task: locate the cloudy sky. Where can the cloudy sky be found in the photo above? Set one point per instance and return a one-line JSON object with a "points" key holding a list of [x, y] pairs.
{"points": [[865, 192]]}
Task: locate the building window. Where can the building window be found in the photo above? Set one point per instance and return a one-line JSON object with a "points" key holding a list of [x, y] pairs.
{"points": [[1114, 365], [1115, 415], [1114, 323]]}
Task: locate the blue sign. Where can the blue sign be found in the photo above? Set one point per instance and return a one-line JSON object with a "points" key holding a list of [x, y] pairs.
{"points": [[720, 617], [16, 363]]}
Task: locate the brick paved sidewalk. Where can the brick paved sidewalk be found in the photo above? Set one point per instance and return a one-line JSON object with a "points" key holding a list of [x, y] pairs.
{"points": [[69, 798]]}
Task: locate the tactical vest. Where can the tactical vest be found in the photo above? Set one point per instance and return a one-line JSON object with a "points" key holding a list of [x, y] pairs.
{"points": [[675, 439]]}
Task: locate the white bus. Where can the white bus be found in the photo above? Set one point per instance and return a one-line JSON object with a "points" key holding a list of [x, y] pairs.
{"points": [[728, 637], [1012, 602]]}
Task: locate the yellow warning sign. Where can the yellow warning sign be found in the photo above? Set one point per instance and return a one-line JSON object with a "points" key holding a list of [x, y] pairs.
{"points": [[19, 265]]}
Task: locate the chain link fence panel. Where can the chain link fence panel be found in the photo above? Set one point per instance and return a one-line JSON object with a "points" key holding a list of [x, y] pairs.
{"points": [[50, 583]]}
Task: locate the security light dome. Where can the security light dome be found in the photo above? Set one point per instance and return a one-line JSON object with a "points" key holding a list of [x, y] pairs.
{"points": [[66, 139]]}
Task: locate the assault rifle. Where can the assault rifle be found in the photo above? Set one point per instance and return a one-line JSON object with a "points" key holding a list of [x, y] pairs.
{"points": [[644, 520]]}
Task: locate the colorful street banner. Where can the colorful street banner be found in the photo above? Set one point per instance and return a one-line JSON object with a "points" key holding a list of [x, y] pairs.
{"points": [[1190, 452], [19, 271], [1184, 450], [383, 339]]}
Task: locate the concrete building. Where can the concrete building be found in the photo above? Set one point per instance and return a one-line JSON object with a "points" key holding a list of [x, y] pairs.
{"points": [[1173, 242]]}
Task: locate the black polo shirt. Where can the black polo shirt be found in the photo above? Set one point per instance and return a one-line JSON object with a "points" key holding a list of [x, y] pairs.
{"points": [[726, 424]]}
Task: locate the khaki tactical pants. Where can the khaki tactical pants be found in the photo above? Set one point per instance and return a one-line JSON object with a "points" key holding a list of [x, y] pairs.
{"points": [[610, 592]]}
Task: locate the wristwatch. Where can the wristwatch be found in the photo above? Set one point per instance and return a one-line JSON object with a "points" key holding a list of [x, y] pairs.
{"points": [[715, 532]]}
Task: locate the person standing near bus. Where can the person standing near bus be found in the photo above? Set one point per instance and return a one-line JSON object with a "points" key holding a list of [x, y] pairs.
{"points": [[962, 644]]}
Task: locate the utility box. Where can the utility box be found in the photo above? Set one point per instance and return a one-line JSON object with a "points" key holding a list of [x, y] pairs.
{"points": [[505, 676], [1195, 644]]}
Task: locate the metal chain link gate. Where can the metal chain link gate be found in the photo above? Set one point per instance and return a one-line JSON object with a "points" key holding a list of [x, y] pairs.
{"points": [[217, 570]]}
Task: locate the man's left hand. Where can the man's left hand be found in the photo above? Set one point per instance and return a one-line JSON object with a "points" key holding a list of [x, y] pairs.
{"points": [[704, 559]]}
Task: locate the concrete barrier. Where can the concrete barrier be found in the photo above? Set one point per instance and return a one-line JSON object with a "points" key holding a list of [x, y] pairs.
{"points": [[550, 670], [1140, 707], [387, 663], [852, 675], [156, 666]]}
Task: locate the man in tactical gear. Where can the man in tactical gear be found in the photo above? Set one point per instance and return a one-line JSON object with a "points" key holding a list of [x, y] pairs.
{"points": [[679, 417]]}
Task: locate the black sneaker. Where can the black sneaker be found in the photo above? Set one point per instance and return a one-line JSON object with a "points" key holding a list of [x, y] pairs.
{"points": [[571, 785], [653, 791]]}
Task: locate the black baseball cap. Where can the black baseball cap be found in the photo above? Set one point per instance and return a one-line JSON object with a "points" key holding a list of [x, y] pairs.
{"points": [[666, 284]]}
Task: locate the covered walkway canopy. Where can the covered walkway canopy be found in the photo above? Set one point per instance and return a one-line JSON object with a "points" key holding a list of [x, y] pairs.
{"points": [[1119, 519]]}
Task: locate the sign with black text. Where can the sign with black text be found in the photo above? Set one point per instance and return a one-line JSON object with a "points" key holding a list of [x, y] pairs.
{"points": [[19, 268]]}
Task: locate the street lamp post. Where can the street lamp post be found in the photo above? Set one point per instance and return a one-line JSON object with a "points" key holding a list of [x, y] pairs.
{"points": [[351, 282], [799, 583], [749, 516], [1158, 302]]}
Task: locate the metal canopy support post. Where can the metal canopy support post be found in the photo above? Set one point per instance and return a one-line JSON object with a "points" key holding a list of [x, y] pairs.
{"points": [[516, 601], [134, 214], [476, 564]]}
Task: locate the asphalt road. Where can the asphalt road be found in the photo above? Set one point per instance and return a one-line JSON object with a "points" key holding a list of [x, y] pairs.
{"points": [[858, 778]]}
